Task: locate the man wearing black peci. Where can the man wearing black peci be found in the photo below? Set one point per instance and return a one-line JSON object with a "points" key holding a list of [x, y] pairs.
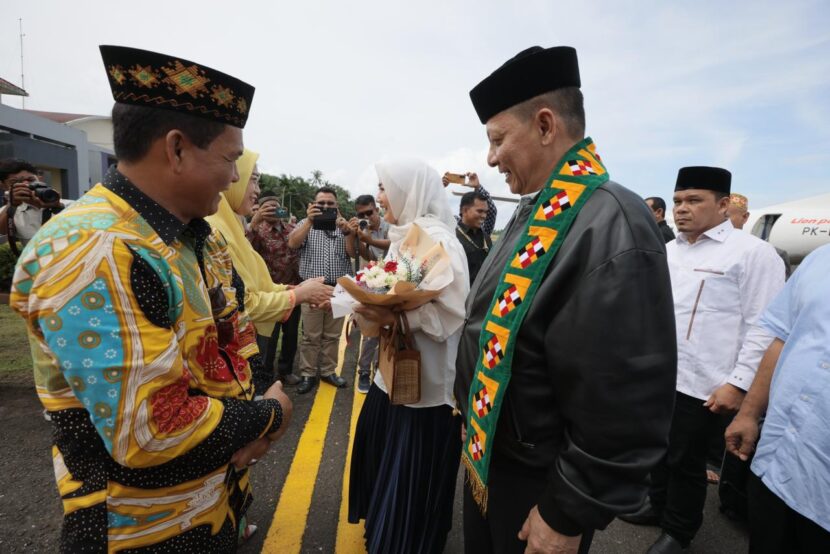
{"points": [[566, 367]]}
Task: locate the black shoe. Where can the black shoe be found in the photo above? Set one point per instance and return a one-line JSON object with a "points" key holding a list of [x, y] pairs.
{"points": [[334, 380], [306, 385], [666, 544], [646, 515], [363, 382], [289, 380]]}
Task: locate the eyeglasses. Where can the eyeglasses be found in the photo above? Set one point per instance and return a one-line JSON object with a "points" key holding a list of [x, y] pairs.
{"points": [[365, 215], [328, 204]]}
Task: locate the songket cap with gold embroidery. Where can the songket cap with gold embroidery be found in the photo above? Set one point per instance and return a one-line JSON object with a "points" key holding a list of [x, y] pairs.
{"points": [[704, 177], [739, 201], [529, 73], [154, 80]]}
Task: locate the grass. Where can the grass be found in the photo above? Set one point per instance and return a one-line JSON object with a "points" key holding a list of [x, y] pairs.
{"points": [[14, 346]]}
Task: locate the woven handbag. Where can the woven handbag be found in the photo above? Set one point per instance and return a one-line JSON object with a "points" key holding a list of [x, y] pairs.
{"points": [[400, 363]]}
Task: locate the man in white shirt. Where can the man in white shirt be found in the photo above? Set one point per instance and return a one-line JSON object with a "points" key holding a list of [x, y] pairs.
{"points": [[31, 211], [722, 280]]}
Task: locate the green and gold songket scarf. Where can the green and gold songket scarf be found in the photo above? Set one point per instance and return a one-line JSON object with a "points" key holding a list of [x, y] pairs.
{"points": [[578, 174]]}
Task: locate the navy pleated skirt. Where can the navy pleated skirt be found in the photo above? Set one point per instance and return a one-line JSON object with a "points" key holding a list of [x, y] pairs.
{"points": [[404, 467]]}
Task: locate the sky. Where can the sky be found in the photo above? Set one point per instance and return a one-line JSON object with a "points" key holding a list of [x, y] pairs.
{"points": [[341, 85]]}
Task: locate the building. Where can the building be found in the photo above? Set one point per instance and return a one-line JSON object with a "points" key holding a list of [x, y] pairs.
{"points": [[73, 150]]}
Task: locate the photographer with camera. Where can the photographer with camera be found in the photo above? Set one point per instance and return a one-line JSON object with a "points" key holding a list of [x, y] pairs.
{"points": [[268, 233], [372, 234], [30, 202], [324, 252]]}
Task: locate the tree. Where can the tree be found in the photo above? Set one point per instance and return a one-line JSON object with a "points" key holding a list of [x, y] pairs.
{"points": [[296, 193]]}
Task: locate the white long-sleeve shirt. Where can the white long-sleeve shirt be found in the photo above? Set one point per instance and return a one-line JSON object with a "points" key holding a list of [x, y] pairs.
{"points": [[721, 285]]}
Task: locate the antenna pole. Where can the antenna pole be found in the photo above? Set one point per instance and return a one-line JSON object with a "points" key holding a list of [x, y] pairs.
{"points": [[22, 82]]}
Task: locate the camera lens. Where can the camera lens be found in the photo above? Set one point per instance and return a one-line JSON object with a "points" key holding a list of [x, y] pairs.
{"points": [[44, 193], [363, 224]]}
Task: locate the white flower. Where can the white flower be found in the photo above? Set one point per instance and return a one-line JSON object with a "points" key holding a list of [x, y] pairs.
{"points": [[94, 322], [61, 342], [67, 364], [115, 334], [110, 353], [112, 393], [108, 309], [87, 362], [110, 421], [74, 310], [87, 402], [99, 285], [91, 379]]}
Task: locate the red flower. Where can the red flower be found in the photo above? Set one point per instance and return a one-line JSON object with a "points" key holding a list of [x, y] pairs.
{"points": [[391, 266], [359, 276]]}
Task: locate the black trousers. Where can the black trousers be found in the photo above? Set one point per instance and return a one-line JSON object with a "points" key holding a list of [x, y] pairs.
{"points": [[678, 488], [776, 528], [512, 492], [289, 330]]}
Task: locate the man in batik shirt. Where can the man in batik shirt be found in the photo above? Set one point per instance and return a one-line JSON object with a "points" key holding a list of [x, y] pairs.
{"points": [[140, 343]]}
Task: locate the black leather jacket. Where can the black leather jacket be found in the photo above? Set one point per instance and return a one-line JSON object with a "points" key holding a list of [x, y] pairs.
{"points": [[593, 377]]}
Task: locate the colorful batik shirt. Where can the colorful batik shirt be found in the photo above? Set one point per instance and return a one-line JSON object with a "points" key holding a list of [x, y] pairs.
{"points": [[271, 242], [141, 354]]}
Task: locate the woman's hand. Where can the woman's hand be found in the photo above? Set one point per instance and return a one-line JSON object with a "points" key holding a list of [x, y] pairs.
{"points": [[376, 314], [313, 291]]}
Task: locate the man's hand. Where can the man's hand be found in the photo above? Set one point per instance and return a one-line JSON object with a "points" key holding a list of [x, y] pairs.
{"points": [[354, 226], [544, 540], [275, 392], [742, 436], [250, 453], [445, 180], [725, 400], [21, 194], [472, 180], [343, 224], [264, 213], [312, 211]]}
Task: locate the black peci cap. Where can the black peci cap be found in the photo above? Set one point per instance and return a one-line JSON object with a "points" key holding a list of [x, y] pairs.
{"points": [[704, 177], [529, 73]]}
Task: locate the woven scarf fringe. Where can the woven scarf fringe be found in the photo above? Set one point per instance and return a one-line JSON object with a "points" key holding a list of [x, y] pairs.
{"points": [[477, 487]]}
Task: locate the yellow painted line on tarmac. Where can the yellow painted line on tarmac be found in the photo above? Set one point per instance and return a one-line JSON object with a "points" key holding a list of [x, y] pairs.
{"points": [[350, 536], [285, 536]]}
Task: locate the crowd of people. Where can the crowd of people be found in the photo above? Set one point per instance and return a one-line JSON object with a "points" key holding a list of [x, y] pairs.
{"points": [[581, 367]]}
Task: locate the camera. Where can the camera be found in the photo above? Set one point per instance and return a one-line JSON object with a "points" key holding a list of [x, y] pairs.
{"points": [[281, 213], [326, 221], [363, 224], [44, 192]]}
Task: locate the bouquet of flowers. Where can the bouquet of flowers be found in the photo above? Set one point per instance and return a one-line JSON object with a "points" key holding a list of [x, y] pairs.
{"points": [[381, 277], [413, 277]]}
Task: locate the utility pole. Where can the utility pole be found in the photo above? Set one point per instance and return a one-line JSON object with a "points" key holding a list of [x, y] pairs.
{"points": [[22, 82]]}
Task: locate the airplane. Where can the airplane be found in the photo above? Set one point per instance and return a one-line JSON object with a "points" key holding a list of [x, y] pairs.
{"points": [[798, 227]]}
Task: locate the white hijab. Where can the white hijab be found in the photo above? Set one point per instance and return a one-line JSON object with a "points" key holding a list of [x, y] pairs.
{"points": [[416, 195]]}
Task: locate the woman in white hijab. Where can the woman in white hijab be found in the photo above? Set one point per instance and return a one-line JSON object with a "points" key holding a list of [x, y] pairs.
{"points": [[405, 458]]}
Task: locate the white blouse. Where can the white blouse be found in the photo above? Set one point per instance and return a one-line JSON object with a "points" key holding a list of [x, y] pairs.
{"points": [[436, 327]]}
